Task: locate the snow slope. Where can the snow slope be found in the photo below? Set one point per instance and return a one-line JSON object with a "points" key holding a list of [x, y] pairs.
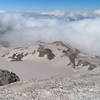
{"points": [[47, 77]]}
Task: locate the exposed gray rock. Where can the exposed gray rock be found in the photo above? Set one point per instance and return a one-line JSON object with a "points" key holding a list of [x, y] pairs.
{"points": [[86, 63], [92, 66], [46, 51], [41, 51], [72, 55], [17, 57], [7, 77], [83, 63]]}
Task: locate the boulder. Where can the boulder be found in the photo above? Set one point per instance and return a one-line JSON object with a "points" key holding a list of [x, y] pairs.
{"points": [[7, 77]]}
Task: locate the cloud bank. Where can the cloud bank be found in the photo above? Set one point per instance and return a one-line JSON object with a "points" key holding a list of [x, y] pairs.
{"points": [[80, 29]]}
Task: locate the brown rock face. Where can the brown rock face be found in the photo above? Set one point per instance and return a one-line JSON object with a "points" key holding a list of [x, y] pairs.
{"points": [[46, 51]]}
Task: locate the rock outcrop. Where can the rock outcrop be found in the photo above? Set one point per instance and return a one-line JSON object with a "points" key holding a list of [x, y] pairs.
{"points": [[91, 67], [7, 77], [50, 51], [17, 57], [86, 63], [83, 63], [72, 55], [46, 51]]}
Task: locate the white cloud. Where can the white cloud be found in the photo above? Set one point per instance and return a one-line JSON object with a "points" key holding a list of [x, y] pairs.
{"points": [[55, 13], [97, 12], [83, 34]]}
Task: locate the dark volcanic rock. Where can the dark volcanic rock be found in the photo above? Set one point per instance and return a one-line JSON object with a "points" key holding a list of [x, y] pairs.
{"points": [[72, 55], [91, 67], [86, 63], [17, 57], [42, 51], [7, 77], [83, 63], [46, 51], [49, 53]]}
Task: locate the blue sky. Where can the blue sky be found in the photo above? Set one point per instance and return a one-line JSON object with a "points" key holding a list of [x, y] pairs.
{"points": [[12, 5]]}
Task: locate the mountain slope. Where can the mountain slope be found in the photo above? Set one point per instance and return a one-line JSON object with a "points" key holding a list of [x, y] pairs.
{"points": [[54, 71], [55, 88]]}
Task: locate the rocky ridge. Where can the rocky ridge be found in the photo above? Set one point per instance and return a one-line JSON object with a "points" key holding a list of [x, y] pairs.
{"points": [[51, 51]]}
